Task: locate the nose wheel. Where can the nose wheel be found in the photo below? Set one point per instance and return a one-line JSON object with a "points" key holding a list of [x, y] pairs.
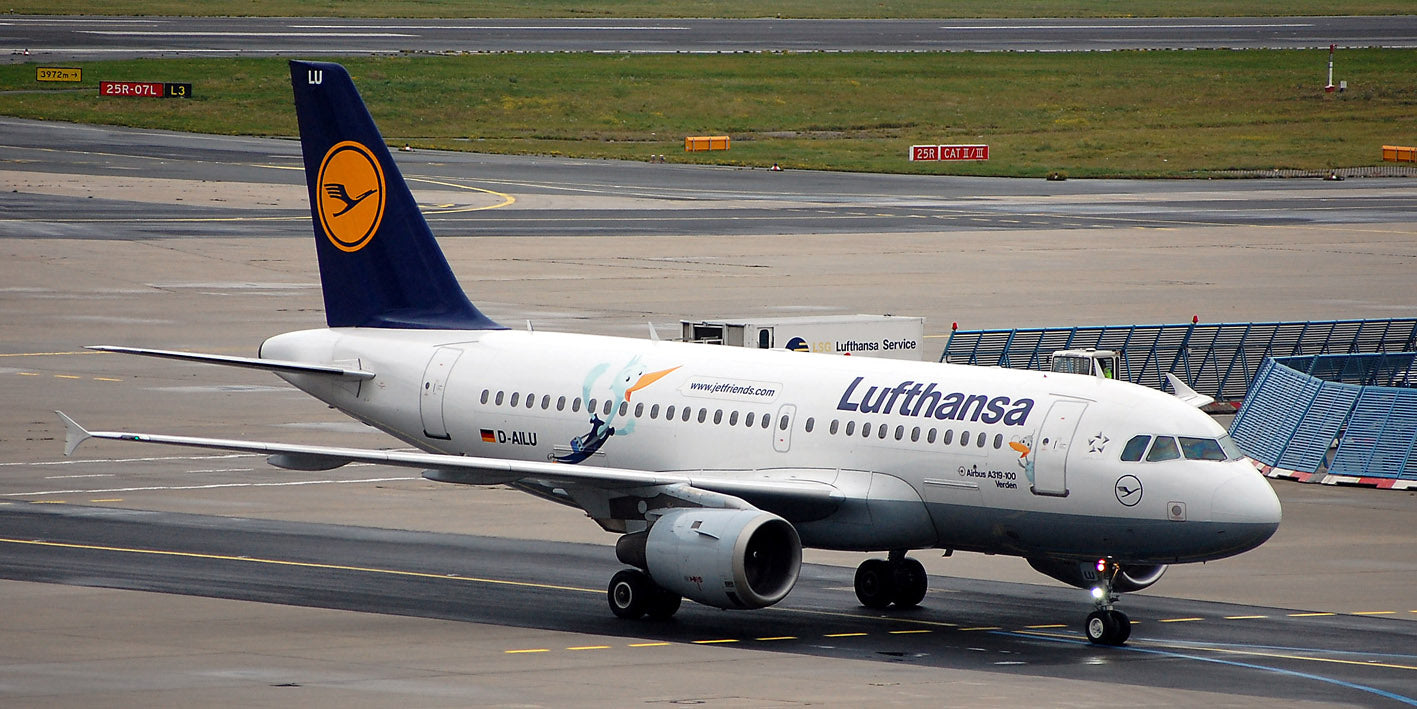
{"points": [[1107, 625]]}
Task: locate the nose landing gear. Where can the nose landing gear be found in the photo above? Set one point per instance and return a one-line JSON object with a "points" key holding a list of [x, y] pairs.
{"points": [[1107, 625]]}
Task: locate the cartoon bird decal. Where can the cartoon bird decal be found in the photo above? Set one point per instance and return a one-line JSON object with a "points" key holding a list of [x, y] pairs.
{"points": [[1024, 448], [630, 379]]}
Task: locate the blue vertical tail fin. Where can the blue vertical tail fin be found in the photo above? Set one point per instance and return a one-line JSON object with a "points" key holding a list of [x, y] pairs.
{"points": [[379, 263]]}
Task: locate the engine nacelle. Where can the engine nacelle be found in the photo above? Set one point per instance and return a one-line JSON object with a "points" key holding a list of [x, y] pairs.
{"points": [[1083, 574], [723, 558]]}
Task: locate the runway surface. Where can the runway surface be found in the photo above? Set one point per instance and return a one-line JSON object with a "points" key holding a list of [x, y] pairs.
{"points": [[89, 38], [367, 586]]}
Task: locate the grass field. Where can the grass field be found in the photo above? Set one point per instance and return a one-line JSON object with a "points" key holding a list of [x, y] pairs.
{"points": [[1168, 113], [713, 8]]}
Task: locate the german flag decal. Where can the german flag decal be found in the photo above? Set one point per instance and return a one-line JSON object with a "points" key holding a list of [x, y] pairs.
{"points": [[488, 436]]}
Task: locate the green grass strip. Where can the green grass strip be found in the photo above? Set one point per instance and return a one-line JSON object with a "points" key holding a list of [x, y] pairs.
{"points": [[1135, 114]]}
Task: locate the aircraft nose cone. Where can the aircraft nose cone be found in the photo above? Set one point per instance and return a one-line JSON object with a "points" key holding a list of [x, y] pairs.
{"points": [[1248, 502]]}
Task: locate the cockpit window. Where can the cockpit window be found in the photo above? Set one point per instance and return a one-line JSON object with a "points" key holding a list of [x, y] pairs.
{"points": [[1232, 451], [1134, 448], [1163, 449], [1201, 449]]}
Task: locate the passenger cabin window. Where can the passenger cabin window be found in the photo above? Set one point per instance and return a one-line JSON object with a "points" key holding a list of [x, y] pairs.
{"points": [[811, 423], [561, 403], [1134, 448], [1163, 448]]}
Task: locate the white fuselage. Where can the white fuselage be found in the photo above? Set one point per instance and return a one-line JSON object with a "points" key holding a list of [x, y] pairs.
{"points": [[919, 454]]}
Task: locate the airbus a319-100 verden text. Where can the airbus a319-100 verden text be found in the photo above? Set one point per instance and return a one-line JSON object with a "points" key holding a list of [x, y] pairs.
{"points": [[718, 465]]}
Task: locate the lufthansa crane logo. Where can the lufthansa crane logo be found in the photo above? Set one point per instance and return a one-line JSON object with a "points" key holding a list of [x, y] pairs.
{"points": [[350, 196]]}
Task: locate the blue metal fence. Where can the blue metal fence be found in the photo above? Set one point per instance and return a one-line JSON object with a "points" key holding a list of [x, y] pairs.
{"points": [[1217, 359], [1365, 403]]}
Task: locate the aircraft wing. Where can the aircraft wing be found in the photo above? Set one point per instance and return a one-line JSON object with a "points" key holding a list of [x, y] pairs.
{"points": [[270, 365], [805, 497]]}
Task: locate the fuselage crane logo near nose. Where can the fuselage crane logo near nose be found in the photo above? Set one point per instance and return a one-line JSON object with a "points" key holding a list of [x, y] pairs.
{"points": [[350, 195]]}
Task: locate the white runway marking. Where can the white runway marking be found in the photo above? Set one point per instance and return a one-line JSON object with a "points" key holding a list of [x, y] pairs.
{"points": [[214, 486]]}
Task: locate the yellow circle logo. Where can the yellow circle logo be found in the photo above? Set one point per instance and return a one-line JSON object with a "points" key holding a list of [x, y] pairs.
{"points": [[350, 195]]}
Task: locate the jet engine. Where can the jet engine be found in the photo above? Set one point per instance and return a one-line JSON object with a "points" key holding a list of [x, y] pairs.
{"points": [[1083, 574], [725, 558]]}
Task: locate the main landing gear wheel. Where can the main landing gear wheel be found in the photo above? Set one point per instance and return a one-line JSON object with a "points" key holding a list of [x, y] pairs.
{"points": [[900, 581], [1108, 627], [632, 594]]}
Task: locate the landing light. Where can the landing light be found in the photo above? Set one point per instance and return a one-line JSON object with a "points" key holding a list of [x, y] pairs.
{"points": [[1097, 592]]}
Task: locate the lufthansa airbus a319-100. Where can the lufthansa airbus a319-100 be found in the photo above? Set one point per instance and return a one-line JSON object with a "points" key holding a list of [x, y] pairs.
{"points": [[718, 465]]}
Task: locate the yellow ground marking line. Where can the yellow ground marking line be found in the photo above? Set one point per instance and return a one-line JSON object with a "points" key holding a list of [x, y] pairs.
{"points": [[661, 644], [67, 376], [506, 198], [844, 635], [910, 632], [1374, 612], [714, 642], [853, 616], [525, 652], [1046, 627], [111, 499], [30, 374], [1310, 615], [589, 647], [777, 637], [1179, 620], [982, 627], [1245, 617], [296, 564]]}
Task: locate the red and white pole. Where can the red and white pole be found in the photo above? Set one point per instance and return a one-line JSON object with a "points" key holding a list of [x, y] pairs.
{"points": [[1329, 86]]}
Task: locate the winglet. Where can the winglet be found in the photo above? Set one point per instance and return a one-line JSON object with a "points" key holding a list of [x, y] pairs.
{"points": [[74, 434], [1187, 394]]}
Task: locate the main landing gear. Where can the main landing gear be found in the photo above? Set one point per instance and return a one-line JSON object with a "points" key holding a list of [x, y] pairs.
{"points": [[896, 580], [1107, 625], [633, 594]]}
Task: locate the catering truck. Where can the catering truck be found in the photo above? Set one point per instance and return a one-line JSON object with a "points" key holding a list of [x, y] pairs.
{"points": [[893, 336]]}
